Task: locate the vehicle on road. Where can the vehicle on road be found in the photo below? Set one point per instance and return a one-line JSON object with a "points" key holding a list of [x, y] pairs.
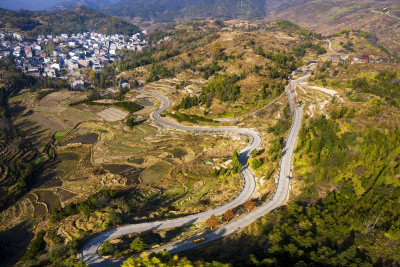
{"points": [[199, 240]]}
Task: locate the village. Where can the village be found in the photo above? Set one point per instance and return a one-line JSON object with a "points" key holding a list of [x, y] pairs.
{"points": [[60, 56]]}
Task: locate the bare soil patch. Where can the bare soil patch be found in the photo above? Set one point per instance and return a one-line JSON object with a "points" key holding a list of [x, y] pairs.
{"points": [[113, 114], [46, 122]]}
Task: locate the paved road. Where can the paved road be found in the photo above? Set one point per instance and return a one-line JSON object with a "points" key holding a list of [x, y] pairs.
{"points": [[280, 196], [89, 250]]}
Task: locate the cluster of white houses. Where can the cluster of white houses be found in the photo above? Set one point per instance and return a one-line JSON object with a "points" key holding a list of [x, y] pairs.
{"points": [[48, 55]]}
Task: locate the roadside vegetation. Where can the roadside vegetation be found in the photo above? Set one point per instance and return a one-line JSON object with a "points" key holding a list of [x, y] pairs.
{"points": [[345, 197], [105, 174]]}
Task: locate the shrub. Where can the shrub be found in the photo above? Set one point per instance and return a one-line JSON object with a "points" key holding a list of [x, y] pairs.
{"points": [[138, 245]]}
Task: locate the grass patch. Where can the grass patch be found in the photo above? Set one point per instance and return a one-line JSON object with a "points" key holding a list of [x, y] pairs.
{"points": [[79, 115], [155, 172], [19, 97], [60, 134]]}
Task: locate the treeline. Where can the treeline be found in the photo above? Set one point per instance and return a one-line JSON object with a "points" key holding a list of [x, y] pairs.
{"points": [[182, 40], [274, 89], [188, 102], [72, 21], [181, 117], [80, 20], [223, 87], [286, 25], [354, 222], [131, 107], [165, 259], [300, 51], [285, 63], [54, 85], [344, 227], [86, 207], [105, 78], [384, 84], [210, 70], [22, 19], [90, 100], [158, 71]]}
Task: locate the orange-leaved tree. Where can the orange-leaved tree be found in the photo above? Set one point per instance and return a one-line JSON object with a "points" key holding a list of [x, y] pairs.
{"points": [[212, 222], [228, 215], [249, 205]]}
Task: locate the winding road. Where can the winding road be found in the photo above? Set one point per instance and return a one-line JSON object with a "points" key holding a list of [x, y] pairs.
{"points": [[88, 252]]}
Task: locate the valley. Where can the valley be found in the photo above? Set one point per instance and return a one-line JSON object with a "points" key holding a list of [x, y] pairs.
{"points": [[220, 143]]}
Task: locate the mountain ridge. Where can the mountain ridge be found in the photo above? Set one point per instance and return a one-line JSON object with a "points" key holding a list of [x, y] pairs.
{"points": [[69, 21]]}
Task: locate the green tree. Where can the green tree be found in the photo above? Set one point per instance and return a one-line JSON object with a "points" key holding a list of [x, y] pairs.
{"points": [[216, 52], [130, 122], [108, 249], [236, 163], [138, 245]]}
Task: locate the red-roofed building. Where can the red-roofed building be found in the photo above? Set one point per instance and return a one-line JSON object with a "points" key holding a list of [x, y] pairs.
{"points": [[364, 58]]}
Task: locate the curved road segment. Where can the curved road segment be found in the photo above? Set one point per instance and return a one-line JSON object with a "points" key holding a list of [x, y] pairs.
{"points": [[88, 252]]}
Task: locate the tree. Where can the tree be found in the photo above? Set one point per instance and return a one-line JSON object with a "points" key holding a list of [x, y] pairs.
{"points": [[228, 215], [130, 122], [216, 52], [113, 218], [249, 205], [138, 245], [256, 163], [71, 262], [92, 75], [212, 222], [254, 153], [165, 259], [108, 249], [236, 163]]}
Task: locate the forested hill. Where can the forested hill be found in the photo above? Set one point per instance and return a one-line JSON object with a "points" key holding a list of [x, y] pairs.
{"points": [[70, 21], [168, 10]]}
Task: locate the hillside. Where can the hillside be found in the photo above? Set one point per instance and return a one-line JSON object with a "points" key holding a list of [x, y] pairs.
{"points": [[167, 10], [344, 200], [381, 18], [28, 4], [71, 21], [65, 5]]}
